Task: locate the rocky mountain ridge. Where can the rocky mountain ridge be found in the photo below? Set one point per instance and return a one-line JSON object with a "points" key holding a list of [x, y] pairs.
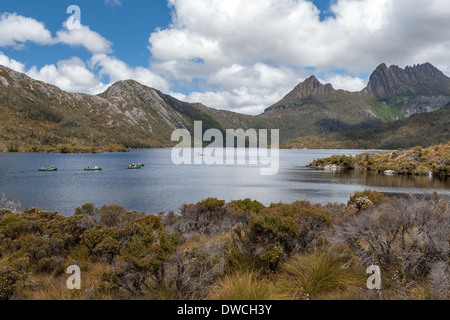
{"points": [[127, 115], [422, 79], [41, 117]]}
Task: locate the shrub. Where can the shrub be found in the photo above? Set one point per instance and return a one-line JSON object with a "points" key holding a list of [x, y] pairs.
{"points": [[440, 280], [193, 270], [111, 215], [102, 243], [145, 249], [88, 209], [276, 232], [209, 217], [248, 205], [404, 235], [365, 199], [294, 227], [8, 282], [10, 205]]}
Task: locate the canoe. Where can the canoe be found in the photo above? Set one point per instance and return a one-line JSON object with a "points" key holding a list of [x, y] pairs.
{"points": [[48, 170], [93, 169], [134, 167]]}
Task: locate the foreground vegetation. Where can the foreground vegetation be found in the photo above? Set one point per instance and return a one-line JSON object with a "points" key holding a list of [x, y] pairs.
{"points": [[416, 161], [229, 251]]}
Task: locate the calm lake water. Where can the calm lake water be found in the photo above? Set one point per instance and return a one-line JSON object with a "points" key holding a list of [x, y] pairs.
{"points": [[163, 186]]}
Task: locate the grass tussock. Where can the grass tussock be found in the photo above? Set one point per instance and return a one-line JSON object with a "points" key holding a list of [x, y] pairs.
{"points": [[244, 286], [319, 275]]}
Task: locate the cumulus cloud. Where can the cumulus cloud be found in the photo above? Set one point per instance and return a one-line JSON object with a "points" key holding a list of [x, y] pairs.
{"points": [[17, 30], [70, 75], [346, 82], [251, 101], [83, 36], [11, 63], [362, 32], [118, 70], [237, 48], [244, 55], [245, 89]]}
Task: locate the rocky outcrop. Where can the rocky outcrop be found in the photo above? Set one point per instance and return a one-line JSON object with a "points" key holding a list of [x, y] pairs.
{"points": [[423, 104], [140, 102], [310, 87], [394, 81]]}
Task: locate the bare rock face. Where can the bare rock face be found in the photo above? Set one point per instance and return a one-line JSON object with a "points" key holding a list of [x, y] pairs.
{"points": [[394, 81], [139, 102], [423, 104], [310, 87]]}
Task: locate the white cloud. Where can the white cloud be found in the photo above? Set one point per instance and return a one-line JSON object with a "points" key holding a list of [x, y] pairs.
{"points": [[72, 74], [346, 82], [239, 100], [244, 89], [249, 100], [11, 63], [84, 37], [16, 30], [244, 55], [258, 75], [118, 70], [235, 48], [69, 75]]}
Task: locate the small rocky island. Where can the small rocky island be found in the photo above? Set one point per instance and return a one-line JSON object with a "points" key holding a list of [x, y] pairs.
{"points": [[432, 161]]}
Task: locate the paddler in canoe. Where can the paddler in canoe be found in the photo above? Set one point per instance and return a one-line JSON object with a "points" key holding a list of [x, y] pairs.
{"points": [[134, 166], [48, 169], [96, 168]]}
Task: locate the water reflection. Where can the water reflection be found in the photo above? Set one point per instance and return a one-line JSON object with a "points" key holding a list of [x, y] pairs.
{"points": [[379, 180]]}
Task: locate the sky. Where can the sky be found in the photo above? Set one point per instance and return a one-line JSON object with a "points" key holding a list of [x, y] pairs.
{"points": [[238, 55]]}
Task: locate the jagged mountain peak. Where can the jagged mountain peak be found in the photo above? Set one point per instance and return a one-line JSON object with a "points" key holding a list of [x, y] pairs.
{"points": [[307, 88], [311, 86], [421, 79]]}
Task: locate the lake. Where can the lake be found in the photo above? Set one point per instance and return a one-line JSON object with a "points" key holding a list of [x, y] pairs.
{"points": [[163, 186]]}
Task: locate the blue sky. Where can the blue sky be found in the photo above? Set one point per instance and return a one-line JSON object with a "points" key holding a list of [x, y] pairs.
{"points": [[241, 55], [127, 25]]}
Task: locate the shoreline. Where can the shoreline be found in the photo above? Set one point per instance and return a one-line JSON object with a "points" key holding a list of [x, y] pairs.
{"points": [[129, 150], [433, 161]]}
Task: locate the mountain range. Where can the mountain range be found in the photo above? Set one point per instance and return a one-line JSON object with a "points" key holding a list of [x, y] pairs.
{"points": [[399, 107]]}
